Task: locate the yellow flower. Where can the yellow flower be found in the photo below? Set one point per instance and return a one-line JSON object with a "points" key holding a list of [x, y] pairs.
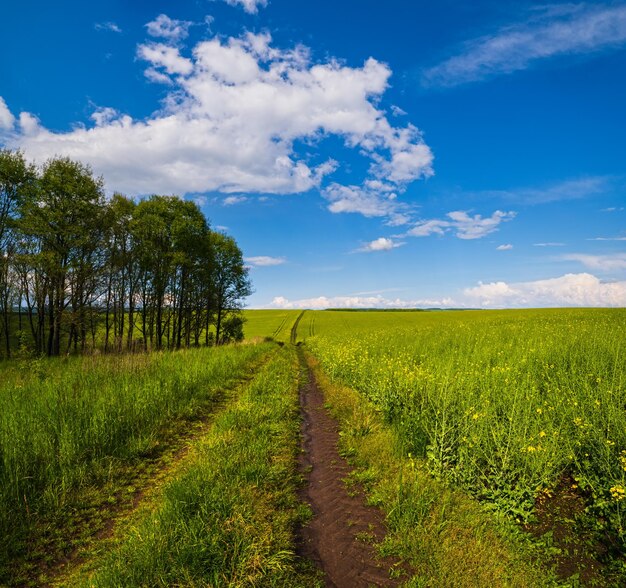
{"points": [[618, 493], [542, 433]]}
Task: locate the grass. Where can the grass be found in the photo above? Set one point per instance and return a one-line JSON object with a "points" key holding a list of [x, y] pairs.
{"points": [[70, 427], [229, 518], [275, 324], [444, 535], [501, 404]]}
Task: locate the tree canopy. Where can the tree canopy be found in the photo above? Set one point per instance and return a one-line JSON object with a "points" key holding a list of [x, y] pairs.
{"points": [[80, 271]]}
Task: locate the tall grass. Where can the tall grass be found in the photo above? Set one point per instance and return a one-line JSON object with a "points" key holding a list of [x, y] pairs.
{"points": [[505, 404], [64, 423], [229, 518]]}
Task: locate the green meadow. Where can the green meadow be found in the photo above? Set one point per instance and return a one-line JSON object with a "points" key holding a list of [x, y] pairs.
{"points": [[494, 442]]}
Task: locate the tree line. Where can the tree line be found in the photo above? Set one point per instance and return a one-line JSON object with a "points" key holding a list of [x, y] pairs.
{"points": [[79, 271]]}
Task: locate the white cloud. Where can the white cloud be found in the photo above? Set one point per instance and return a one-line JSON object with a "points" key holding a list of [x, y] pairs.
{"points": [[569, 290], [462, 224], [380, 244], [506, 247], [322, 302], [107, 26], [607, 239], [166, 57], [604, 263], [366, 201], [548, 244], [577, 29], [397, 111], [234, 120], [232, 200], [264, 261], [250, 6], [168, 28], [613, 209], [7, 120]]}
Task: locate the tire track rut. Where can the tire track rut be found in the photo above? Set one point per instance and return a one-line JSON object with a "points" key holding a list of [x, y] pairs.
{"points": [[333, 539]]}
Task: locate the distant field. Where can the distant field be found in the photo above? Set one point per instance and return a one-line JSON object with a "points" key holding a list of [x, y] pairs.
{"points": [[276, 324]]}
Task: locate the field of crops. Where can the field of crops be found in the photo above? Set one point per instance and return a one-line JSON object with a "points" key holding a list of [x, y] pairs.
{"points": [[509, 405], [464, 427]]}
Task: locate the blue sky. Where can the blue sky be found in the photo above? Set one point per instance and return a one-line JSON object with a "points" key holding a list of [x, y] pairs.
{"points": [[362, 153]]}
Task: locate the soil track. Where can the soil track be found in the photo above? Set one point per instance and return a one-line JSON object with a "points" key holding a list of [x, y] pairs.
{"points": [[337, 538]]}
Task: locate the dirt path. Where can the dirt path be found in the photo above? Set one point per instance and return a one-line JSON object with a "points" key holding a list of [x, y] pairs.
{"points": [[147, 480], [334, 538]]}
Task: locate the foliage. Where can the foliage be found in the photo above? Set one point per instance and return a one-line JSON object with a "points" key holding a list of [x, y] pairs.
{"points": [[64, 424], [444, 535], [229, 518], [503, 404], [150, 274]]}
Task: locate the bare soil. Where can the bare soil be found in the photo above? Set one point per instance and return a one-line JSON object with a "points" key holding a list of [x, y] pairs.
{"points": [[339, 537]]}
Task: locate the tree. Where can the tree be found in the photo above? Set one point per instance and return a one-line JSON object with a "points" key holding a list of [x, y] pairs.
{"points": [[17, 179], [64, 217], [76, 261], [230, 281]]}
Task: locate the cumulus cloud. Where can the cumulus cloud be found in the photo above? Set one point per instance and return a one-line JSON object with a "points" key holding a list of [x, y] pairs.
{"points": [[604, 263], [168, 28], [570, 290], [322, 302], [462, 224], [370, 202], [380, 244], [166, 57], [7, 120], [250, 6], [234, 120], [575, 29], [264, 261], [506, 247]]}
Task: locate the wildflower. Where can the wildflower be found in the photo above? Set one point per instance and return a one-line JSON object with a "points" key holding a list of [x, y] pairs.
{"points": [[531, 449], [618, 493], [622, 460], [542, 433], [539, 411]]}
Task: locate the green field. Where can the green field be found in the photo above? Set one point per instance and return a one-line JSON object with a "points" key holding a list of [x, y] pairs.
{"points": [[493, 441], [276, 324]]}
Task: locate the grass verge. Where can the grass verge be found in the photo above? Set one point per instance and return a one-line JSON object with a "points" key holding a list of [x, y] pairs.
{"points": [[80, 437], [445, 536], [229, 518]]}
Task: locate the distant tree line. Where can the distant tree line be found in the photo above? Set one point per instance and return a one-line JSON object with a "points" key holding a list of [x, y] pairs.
{"points": [[79, 271]]}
